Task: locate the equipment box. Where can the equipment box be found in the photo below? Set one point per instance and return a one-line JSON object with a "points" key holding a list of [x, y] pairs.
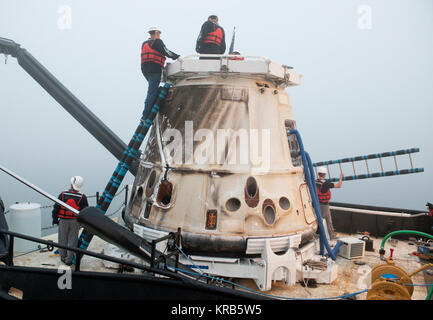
{"points": [[351, 248]]}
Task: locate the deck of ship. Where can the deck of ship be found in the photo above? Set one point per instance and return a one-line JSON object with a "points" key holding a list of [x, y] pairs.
{"points": [[351, 273]]}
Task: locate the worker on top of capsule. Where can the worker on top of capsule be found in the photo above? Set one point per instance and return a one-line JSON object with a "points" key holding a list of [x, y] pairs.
{"points": [[67, 220], [153, 53], [211, 39], [324, 192]]}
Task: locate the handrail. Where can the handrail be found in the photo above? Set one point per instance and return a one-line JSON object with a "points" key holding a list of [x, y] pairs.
{"points": [[382, 213], [49, 243], [178, 274], [222, 56]]}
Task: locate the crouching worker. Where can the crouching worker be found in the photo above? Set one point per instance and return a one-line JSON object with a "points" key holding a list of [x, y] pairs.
{"points": [[67, 220]]}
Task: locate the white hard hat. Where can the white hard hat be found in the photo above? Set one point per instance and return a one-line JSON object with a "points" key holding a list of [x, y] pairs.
{"points": [[154, 28], [77, 182], [322, 170]]}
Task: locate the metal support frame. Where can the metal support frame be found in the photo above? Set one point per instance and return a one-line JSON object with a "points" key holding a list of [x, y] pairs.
{"points": [[175, 236]]}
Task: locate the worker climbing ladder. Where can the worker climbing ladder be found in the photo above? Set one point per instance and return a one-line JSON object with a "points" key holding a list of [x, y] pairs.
{"points": [[130, 153], [366, 158]]}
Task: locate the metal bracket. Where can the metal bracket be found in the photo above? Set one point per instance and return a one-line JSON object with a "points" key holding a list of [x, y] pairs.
{"points": [[285, 264]]}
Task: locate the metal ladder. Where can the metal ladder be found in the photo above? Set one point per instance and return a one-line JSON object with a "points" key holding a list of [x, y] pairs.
{"points": [[366, 158]]}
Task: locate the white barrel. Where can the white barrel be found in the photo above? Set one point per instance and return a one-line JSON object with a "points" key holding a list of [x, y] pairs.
{"points": [[25, 218]]}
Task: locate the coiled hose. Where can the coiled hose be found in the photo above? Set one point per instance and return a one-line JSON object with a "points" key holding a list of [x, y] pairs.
{"points": [[418, 233]]}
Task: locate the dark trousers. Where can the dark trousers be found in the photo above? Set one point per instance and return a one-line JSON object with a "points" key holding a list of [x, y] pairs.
{"points": [[68, 236], [326, 214], [153, 79]]}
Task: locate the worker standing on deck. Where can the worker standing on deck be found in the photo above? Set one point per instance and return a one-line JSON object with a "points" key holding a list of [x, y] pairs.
{"points": [[67, 220], [324, 192], [4, 239], [2, 206], [211, 39], [153, 53]]}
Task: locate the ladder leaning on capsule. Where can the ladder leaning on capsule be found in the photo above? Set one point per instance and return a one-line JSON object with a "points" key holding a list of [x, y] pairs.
{"points": [[366, 158]]}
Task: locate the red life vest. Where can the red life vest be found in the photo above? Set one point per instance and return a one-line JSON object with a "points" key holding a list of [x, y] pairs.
{"points": [[431, 212], [323, 197], [150, 55], [215, 37], [65, 213]]}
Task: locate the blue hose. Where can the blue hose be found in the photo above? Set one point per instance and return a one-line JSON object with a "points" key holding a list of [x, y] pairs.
{"points": [[309, 177]]}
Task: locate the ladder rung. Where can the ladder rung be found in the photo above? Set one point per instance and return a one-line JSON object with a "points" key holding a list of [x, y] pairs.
{"points": [[379, 174], [410, 159], [366, 164]]}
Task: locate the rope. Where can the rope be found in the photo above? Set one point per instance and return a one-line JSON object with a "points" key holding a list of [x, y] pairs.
{"points": [[187, 257], [316, 264], [38, 249]]}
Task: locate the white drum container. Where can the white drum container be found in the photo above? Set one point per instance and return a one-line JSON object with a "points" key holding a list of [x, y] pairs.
{"points": [[25, 218]]}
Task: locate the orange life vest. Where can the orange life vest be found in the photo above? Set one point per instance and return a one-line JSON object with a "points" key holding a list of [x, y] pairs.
{"points": [[150, 55], [323, 197], [215, 37], [65, 213]]}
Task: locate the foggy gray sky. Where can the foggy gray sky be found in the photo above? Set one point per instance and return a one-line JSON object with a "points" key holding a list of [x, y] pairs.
{"points": [[366, 87]]}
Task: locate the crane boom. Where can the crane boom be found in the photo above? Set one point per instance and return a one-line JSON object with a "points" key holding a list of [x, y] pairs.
{"points": [[66, 99]]}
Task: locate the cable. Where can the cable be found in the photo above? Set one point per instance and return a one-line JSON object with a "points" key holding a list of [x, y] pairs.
{"points": [[251, 290], [38, 249], [345, 296]]}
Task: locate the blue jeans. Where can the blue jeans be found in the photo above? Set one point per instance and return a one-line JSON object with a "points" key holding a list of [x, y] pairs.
{"points": [[152, 92]]}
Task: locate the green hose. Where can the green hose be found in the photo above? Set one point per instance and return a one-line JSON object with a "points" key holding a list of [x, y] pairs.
{"points": [[430, 293], [422, 234], [418, 233]]}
